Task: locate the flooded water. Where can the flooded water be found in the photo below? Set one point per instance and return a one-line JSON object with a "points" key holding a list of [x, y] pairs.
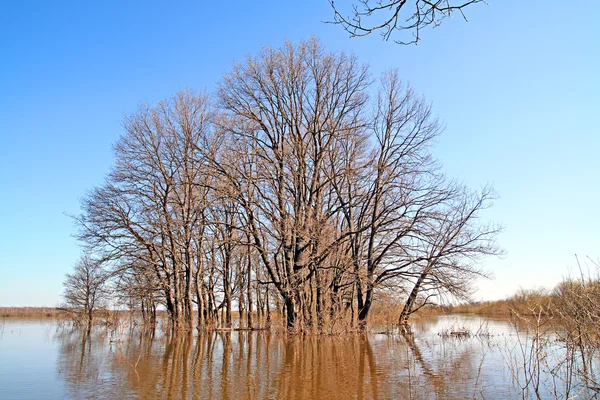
{"points": [[45, 360]]}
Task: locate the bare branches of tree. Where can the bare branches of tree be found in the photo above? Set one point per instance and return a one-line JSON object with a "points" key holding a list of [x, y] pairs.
{"points": [[454, 242], [86, 289], [390, 17]]}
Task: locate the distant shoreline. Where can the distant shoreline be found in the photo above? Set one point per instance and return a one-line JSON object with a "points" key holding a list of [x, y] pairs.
{"points": [[29, 312]]}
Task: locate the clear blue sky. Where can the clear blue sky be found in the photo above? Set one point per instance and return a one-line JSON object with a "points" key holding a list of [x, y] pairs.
{"points": [[517, 87]]}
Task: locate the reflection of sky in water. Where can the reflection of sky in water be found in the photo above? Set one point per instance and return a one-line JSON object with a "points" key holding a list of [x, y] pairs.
{"points": [[41, 360], [28, 361]]}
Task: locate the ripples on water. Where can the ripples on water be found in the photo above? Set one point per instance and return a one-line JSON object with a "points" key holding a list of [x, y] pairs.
{"points": [[42, 359]]}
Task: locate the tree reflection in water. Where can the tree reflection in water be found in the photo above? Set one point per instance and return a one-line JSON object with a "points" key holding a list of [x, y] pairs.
{"points": [[259, 365]]}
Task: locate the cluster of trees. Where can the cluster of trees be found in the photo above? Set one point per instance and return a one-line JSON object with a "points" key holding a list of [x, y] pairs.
{"points": [[297, 187]]}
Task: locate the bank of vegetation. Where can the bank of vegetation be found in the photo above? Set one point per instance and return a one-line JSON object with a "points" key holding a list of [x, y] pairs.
{"points": [[523, 302], [571, 297], [29, 312], [562, 339], [303, 187]]}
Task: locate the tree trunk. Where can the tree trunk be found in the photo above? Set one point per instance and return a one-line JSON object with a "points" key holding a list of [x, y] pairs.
{"points": [[408, 306], [249, 289], [290, 313], [363, 312], [189, 305]]}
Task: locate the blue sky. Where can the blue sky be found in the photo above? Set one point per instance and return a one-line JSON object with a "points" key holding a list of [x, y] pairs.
{"points": [[517, 87]]}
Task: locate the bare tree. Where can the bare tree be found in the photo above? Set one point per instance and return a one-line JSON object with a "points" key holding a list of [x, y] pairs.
{"points": [[452, 243], [86, 288], [396, 16]]}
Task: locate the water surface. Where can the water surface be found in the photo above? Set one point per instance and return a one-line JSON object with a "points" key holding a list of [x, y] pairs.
{"points": [[49, 360]]}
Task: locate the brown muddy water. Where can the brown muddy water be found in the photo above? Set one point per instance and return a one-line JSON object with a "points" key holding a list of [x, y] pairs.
{"points": [[48, 360]]}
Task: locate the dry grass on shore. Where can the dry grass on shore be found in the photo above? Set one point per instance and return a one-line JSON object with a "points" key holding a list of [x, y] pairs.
{"points": [[522, 303], [29, 312]]}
